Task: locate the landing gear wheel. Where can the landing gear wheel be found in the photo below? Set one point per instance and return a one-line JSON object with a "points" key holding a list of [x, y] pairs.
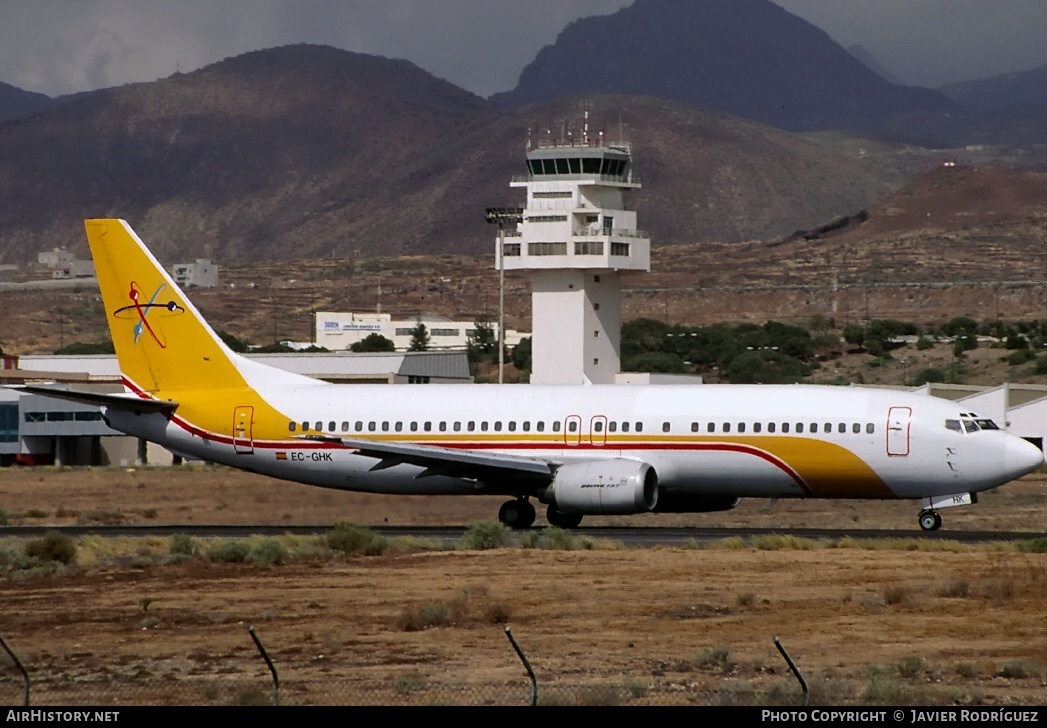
{"points": [[562, 520], [517, 513], [930, 521]]}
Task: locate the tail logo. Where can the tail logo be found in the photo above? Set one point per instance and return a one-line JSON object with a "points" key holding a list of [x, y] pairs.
{"points": [[139, 312]]}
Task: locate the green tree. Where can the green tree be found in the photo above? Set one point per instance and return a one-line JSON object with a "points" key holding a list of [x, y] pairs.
{"points": [[371, 343], [80, 348], [521, 356], [482, 342], [419, 338], [238, 345]]}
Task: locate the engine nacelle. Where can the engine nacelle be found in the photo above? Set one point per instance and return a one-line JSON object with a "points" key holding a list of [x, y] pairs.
{"points": [[603, 486], [677, 502]]}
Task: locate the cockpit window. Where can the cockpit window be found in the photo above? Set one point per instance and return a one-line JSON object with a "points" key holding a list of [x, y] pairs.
{"points": [[953, 425], [984, 424], [969, 426]]}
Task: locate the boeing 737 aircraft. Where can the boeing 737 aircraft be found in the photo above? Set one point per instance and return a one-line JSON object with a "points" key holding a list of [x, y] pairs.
{"points": [[578, 449]]}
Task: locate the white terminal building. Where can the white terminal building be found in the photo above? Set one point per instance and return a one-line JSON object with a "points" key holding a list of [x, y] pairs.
{"points": [[577, 238], [337, 331]]}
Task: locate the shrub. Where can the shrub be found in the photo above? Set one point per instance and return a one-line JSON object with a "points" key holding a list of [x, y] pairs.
{"points": [[485, 535], [556, 539], [268, 552], [182, 544], [714, 657], [230, 551], [351, 539], [53, 546]]}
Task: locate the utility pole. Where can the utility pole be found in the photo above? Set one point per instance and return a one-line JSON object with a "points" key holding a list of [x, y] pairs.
{"points": [[502, 216]]}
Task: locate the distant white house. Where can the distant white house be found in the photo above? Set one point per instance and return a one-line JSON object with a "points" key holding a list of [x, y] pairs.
{"points": [[201, 274]]}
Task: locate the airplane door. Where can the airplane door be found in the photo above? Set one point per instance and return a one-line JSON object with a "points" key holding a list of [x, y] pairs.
{"points": [[598, 431], [572, 430], [243, 430], [898, 431]]}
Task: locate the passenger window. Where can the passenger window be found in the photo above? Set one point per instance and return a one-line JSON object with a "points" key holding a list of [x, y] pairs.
{"points": [[711, 427], [345, 427], [399, 426], [457, 426], [842, 428], [483, 427], [666, 427], [512, 426], [771, 426], [292, 426], [612, 426], [541, 425], [385, 427], [471, 425], [639, 427], [414, 427], [526, 426], [741, 427], [799, 427], [428, 426], [330, 426], [625, 427], [443, 427], [694, 427], [359, 426], [726, 426], [556, 426], [870, 428], [856, 428], [785, 427], [371, 427], [572, 426], [598, 426], [498, 426], [827, 428], [305, 427], [757, 427], [949, 425]]}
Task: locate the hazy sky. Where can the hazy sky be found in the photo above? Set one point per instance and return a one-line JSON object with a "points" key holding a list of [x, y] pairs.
{"points": [[62, 46]]}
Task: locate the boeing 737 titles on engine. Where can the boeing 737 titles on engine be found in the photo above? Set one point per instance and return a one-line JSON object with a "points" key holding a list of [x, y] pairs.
{"points": [[578, 449]]}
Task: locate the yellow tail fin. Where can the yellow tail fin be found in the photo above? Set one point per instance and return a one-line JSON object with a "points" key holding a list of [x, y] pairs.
{"points": [[162, 343]]}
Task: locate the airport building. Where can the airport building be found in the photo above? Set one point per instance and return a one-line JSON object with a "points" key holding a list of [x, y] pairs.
{"points": [[577, 238], [338, 331]]}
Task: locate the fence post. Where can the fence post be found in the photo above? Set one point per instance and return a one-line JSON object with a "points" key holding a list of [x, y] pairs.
{"points": [[796, 672], [526, 664], [18, 664], [272, 668]]}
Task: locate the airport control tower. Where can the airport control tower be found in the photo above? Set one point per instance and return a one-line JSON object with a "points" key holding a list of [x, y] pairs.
{"points": [[577, 239]]}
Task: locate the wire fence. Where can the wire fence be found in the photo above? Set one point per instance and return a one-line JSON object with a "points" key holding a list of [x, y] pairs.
{"points": [[715, 684]]}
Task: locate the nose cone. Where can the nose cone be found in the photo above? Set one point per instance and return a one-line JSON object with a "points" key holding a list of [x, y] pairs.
{"points": [[1021, 457]]}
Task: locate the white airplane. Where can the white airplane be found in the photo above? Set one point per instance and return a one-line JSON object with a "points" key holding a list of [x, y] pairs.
{"points": [[578, 449]]}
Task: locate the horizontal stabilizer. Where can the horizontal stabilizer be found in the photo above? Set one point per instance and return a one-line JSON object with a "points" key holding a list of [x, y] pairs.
{"points": [[122, 402]]}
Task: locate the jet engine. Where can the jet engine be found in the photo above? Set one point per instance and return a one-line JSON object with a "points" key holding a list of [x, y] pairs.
{"points": [[603, 486]]}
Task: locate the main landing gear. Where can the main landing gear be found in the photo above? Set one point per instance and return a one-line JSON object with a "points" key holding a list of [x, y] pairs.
{"points": [[562, 520], [517, 513], [930, 520]]}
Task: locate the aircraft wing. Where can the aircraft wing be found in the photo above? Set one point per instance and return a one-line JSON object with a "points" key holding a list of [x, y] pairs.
{"points": [[448, 461], [122, 402]]}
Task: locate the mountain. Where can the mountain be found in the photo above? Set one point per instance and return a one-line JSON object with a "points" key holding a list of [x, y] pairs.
{"points": [[309, 151], [1020, 90], [748, 58], [867, 59], [15, 102]]}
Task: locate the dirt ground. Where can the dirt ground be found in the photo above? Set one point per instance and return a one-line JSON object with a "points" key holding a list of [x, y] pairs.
{"points": [[955, 625]]}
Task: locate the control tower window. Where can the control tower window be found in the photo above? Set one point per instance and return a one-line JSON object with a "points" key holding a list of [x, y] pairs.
{"points": [[575, 165], [561, 166], [591, 165]]}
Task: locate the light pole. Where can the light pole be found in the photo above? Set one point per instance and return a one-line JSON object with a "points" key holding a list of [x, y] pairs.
{"points": [[501, 216]]}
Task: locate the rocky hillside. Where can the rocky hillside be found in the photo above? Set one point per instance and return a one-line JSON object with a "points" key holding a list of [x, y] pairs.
{"points": [[309, 151]]}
